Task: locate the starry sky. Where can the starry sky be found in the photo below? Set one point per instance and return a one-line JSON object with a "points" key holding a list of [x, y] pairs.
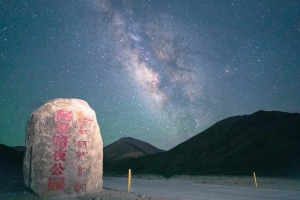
{"points": [[160, 71]]}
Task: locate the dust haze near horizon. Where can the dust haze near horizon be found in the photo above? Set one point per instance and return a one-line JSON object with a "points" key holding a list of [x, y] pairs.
{"points": [[159, 71]]}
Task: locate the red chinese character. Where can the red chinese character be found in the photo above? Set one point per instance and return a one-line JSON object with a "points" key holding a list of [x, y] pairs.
{"points": [[59, 142], [78, 187], [85, 121], [80, 120], [56, 184], [57, 169], [62, 127], [79, 170], [80, 155], [63, 116], [82, 143], [59, 155], [84, 131]]}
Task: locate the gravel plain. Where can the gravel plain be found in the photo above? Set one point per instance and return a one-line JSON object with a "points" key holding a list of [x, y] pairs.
{"points": [[12, 187]]}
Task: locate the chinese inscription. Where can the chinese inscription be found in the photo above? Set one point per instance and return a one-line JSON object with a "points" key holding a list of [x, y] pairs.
{"points": [[59, 144], [56, 184]]}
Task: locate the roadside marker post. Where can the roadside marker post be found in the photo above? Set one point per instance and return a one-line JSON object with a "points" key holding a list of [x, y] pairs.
{"points": [[129, 180], [255, 179]]}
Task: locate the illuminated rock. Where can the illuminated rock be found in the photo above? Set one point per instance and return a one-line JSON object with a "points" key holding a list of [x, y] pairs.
{"points": [[64, 150]]}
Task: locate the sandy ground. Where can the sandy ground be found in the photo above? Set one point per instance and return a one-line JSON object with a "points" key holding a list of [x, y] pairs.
{"points": [[105, 194], [12, 187], [262, 182], [282, 183]]}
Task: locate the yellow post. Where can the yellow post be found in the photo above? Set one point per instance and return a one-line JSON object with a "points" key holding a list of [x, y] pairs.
{"points": [[129, 180], [255, 179]]}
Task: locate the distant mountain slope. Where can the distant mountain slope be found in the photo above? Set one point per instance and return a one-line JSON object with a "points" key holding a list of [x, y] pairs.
{"points": [[265, 142], [20, 148], [128, 147], [10, 159]]}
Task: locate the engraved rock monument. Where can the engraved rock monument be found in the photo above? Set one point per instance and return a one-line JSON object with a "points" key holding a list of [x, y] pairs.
{"points": [[64, 150]]}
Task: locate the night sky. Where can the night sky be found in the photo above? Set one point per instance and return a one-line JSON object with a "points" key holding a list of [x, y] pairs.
{"points": [[156, 70]]}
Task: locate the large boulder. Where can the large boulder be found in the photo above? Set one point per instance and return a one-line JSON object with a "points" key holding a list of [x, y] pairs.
{"points": [[64, 150]]}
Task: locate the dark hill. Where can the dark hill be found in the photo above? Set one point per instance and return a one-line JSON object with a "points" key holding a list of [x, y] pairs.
{"points": [[11, 159], [267, 143], [128, 147]]}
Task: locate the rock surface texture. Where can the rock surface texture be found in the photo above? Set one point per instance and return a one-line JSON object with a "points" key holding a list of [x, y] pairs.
{"points": [[64, 150]]}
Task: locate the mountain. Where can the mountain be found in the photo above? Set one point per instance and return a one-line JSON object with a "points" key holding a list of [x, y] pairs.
{"points": [[11, 159], [267, 143], [20, 148], [128, 147]]}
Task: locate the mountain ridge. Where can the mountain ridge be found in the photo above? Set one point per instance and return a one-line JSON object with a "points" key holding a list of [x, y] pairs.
{"points": [[265, 141], [128, 147]]}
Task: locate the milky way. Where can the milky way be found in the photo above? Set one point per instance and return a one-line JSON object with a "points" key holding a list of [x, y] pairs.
{"points": [[159, 71]]}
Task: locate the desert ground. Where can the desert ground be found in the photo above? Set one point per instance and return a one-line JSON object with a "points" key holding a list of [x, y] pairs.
{"points": [[12, 187], [281, 183], [105, 194]]}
